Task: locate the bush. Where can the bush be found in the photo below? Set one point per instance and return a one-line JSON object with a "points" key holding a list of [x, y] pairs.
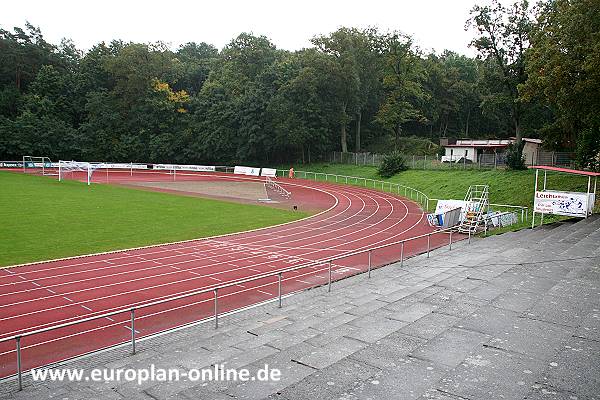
{"points": [[514, 156], [588, 149], [392, 164]]}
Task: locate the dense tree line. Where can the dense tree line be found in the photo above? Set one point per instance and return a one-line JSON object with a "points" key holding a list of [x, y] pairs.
{"points": [[536, 75]]}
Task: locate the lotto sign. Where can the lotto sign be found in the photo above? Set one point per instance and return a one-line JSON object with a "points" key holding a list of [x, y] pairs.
{"points": [[571, 204]]}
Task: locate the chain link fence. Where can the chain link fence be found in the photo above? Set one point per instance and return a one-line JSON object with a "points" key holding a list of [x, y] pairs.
{"points": [[484, 161]]}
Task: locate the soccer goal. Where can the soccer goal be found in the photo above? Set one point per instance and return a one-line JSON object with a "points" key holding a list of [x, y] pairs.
{"points": [[77, 170], [36, 165]]}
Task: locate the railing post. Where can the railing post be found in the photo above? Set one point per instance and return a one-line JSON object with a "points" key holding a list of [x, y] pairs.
{"points": [[369, 263], [216, 310], [450, 240], [428, 244], [279, 288], [19, 368], [133, 331], [329, 283], [402, 254], [469, 229]]}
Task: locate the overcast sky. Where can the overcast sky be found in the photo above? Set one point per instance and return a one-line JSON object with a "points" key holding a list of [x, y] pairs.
{"points": [[435, 24]]}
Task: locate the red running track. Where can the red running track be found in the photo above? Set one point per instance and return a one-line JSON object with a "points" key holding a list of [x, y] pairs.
{"points": [[45, 294]]}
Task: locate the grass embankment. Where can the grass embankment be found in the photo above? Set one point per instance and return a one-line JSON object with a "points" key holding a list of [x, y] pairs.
{"points": [[506, 187], [42, 218]]}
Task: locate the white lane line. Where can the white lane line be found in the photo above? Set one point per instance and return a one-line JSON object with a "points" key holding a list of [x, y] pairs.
{"points": [[129, 329], [390, 227], [263, 292]]}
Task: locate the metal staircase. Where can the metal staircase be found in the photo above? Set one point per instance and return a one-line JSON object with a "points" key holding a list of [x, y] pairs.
{"points": [[477, 203]]}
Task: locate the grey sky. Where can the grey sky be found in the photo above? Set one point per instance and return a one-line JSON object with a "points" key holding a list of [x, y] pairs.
{"points": [[435, 24]]}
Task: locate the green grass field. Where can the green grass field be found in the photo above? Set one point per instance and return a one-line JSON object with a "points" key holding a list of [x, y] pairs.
{"points": [[42, 218]]}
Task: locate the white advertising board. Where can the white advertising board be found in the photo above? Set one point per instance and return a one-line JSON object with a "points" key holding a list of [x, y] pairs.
{"points": [[571, 204], [246, 171], [197, 168], [444, 206], [270, 172]]}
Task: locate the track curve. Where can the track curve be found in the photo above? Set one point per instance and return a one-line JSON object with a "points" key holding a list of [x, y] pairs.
{"points": [[45, 294]]}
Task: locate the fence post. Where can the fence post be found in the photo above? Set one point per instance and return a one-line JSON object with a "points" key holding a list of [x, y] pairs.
{"points": [[19, 369], [279, 288], [425, 163], [428, 244], [469, 234], [216, 310], [402, 253], [131, 169], [369, 263], [413, 162], [450, 240], [132, 330], [329, 283]]}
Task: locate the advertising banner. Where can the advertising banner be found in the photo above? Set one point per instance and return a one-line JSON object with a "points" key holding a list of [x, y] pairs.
{"points": [[246, 171], [196, 168], [270, 172], [571, 204], [11, 164]]}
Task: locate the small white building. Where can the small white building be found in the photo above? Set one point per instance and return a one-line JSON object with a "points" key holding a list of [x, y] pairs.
{"points": [[473, 150]]}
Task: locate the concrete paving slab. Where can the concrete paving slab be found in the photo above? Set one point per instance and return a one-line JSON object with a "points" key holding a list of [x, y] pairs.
{"points": [[492, 374]]}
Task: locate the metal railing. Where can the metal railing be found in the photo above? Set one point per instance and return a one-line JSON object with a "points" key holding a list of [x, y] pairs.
{"points": [[131, 310], [409, 192]]}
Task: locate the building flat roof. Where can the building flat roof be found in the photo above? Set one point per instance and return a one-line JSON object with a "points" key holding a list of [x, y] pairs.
{"points": [[565, 170], [477, 145]]}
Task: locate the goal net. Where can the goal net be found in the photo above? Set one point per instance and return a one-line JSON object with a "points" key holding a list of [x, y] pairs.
{"points": [[38, 165], [77, 170]]}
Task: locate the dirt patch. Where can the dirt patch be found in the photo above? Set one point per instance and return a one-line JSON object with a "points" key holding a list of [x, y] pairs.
{"points": [[250, 191]]}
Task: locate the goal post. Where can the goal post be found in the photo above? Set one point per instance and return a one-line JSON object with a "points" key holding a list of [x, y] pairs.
{"points": [[71, 168], [35, 164]]}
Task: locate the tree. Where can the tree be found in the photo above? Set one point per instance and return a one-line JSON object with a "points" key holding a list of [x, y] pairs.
{"points": [[503, 37], [358, 54], [563, 67], [402, 81]]}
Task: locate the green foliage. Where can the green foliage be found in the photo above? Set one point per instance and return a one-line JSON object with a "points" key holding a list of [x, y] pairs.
{"points": [[44, 218], [409, 145], [514, 156], [392, 164], [563, 69], [354, 89], [588, 149]]}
